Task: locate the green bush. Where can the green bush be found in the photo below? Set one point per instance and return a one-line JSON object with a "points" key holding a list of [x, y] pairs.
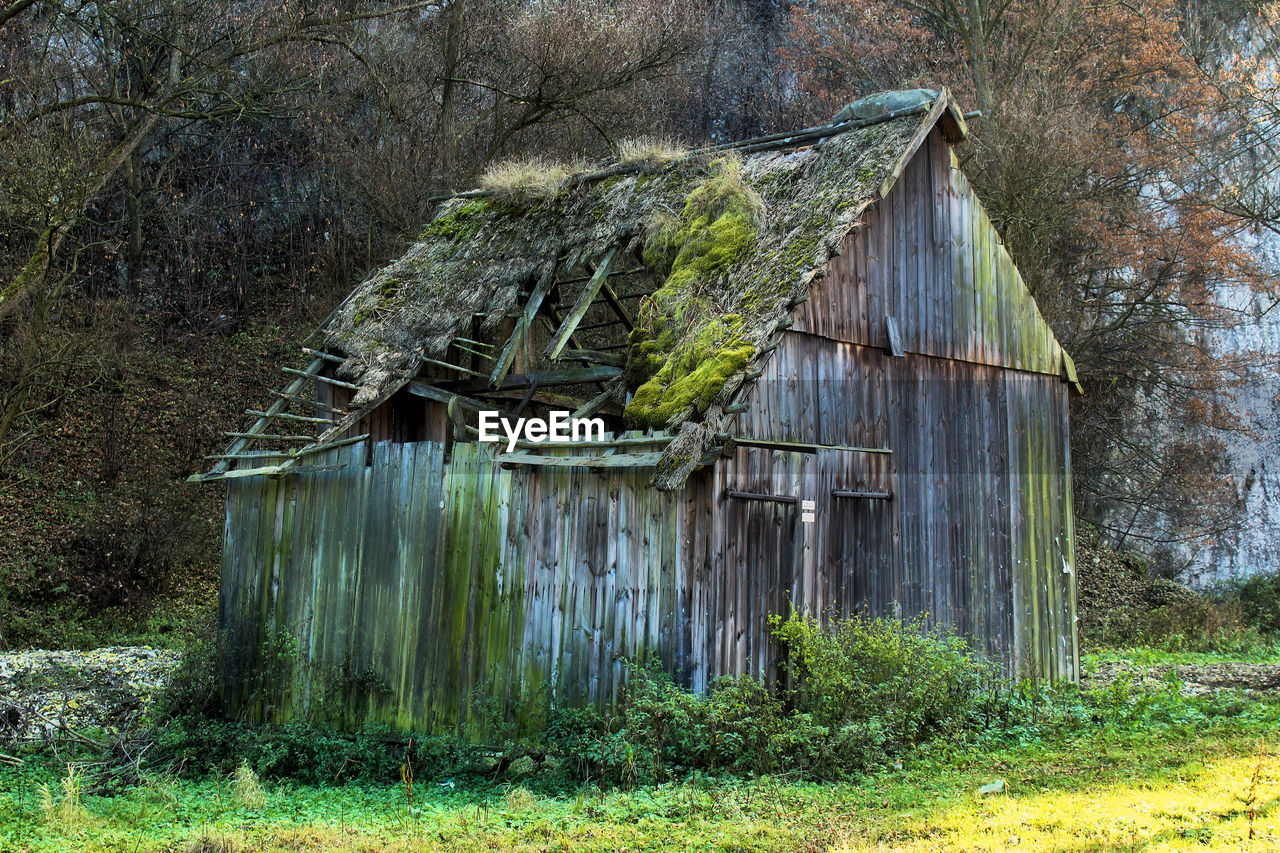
{"points": [[1259, 598], [869, 689], [855, 695]]}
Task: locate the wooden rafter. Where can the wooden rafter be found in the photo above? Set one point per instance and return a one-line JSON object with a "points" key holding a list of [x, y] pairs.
{"points": [[430, 392], [523, 326], [618, 308], [568, 376], [328, 380], [580, 307], [592, 356], [594, 405], [276, 407]]}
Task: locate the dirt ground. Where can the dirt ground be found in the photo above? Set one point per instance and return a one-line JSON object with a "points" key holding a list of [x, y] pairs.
{"points": [[1255, 678]]}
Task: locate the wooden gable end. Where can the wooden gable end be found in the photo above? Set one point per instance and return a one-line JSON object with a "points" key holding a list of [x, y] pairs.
{"points": [[927, 262]]}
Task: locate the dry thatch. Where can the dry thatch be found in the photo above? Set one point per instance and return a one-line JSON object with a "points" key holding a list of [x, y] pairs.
{"points": [[478, 254]]}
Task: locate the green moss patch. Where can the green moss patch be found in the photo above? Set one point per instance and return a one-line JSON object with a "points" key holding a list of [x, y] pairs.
{"points": [[691, 377], [688, 346], [458, 222]]}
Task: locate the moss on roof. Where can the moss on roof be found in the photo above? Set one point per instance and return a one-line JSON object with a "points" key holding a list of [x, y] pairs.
{"points": [[737, 241]]}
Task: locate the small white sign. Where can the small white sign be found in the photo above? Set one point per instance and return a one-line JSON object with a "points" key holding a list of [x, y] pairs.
{"points": [[808, 506], [808, 517]]}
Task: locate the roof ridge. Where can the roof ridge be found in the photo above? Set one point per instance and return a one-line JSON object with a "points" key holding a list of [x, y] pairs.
{"points": [[757, 145]]}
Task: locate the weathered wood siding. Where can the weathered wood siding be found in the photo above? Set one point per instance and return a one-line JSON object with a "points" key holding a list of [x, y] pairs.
{"points": [[979, 532], [928, 256], [414, 584]]}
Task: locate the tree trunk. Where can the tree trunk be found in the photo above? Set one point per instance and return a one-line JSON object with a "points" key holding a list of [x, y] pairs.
{"points": [[449, 141]]}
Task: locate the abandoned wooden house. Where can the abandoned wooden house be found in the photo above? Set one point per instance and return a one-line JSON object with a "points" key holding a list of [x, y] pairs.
{"points": [[826, 389]]}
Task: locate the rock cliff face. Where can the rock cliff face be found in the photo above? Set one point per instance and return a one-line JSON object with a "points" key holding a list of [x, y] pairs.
{"points": [[1255, 450]]}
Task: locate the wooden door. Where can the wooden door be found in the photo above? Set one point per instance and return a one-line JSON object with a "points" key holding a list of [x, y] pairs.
{"points": [[762, 572]]}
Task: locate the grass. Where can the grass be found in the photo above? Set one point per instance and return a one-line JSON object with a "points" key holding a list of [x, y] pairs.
{"points": [[650, 151], [534, 179], [1129, 771]]}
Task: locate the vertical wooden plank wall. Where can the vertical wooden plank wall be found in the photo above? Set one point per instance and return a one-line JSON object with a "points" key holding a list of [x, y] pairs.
{"points": [[979, 533], [424, 593]]}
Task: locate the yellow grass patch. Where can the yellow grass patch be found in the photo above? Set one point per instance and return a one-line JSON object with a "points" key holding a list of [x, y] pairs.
{"points": [[1205, 809]]}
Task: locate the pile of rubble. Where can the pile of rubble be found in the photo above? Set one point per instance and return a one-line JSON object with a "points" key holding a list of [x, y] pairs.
{"points": [[43, 692], [1257, 679]]}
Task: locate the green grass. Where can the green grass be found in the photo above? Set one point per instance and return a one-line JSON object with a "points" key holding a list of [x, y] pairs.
{"points": [[1116, 770]]}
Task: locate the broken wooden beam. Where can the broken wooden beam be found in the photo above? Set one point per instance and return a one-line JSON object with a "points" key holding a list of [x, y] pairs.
{"points": [[286, 416], [307, 401], [276, 406], [327, 356], [567, 376], [523, 325], [438, 363], [594, 405], [591, 355], [618, 308], [430, 392], [620, 460], [266, 471], [579, 310], [317, 377], [612, 274], [328, 445]]}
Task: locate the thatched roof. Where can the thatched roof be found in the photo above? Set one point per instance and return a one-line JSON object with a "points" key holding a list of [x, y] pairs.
{"points": [[782, 206], [479, 255]]}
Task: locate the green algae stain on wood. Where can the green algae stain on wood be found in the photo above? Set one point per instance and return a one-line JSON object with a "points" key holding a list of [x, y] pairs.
{"points": [[438, 594]]}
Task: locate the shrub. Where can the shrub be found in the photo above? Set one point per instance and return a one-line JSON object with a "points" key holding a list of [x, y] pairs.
{"points": [[195, 689], [869, 689], [856, 694], [1259, 598]]}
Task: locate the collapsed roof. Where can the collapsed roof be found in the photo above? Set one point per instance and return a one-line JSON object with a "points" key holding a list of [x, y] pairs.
{"points": [[727, 239]]}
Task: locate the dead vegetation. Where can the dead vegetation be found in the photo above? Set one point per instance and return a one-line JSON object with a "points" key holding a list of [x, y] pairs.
{"points": [[529, 179]]}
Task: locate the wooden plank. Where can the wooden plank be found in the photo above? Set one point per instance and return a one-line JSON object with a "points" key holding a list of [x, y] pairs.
{"points": [[276, 406], [305, 401], [568, 376], [594, 357], [594, 405], [451, 366], [579, 310], [329, 380], [267, 470], [624, 316], [523, 327], [267, 415], [337, 359], [620, 460], [430, 392]]}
